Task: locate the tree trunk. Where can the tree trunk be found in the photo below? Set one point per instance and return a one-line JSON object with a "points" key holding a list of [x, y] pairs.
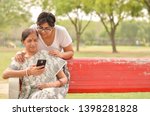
{"points": [[78, 41], [113, 43]]}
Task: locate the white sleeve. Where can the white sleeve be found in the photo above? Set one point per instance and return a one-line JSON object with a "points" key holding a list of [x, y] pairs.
{"points": [[65, 38], [34, 26]]}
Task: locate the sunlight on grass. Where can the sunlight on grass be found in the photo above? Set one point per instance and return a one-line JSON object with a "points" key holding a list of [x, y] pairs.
{"points": [[106, 51], [132, 95], [119, 48]]}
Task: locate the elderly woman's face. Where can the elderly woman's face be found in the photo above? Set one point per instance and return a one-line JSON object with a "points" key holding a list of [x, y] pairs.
{"points": [[31, 43]]}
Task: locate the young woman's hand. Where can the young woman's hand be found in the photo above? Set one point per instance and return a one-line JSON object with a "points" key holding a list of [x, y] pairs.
{"points": [[55, 53], [20, 57]]}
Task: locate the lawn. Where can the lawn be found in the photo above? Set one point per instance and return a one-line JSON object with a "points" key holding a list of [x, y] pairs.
{"points": [[90, 51], [130, 95], [6, 54], [106, 51]]}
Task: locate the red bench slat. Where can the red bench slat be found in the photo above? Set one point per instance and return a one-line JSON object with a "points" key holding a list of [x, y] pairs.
{"points": [[109, 75]]}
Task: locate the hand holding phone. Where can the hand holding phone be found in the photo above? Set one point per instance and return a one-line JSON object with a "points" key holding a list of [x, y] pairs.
{"points": [[41, 62]]}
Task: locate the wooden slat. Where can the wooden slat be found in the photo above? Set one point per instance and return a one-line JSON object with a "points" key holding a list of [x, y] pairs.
{"points": [[109, 75]]}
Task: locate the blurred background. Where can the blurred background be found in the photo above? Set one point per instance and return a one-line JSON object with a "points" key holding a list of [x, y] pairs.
{"points": [[89, 22], [99, 28]]}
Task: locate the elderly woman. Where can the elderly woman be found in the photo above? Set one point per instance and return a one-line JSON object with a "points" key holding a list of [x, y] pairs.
{"points": [[53, 38], [38, 82]]}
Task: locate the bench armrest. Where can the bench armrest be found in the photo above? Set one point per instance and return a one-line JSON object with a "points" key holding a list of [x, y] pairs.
{"points": [[13, 88]]}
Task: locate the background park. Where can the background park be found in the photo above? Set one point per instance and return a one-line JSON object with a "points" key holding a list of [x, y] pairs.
{"points": [[99, 28]]}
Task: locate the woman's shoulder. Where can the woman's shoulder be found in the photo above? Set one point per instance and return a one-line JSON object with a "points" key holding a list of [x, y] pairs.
{"points": [[60, 28], [33, 26], [61, 31]]}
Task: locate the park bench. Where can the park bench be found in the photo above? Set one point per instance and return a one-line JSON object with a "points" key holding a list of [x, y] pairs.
{"points": [[95, 75]]}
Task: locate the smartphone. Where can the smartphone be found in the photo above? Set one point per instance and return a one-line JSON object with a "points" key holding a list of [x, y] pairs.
{"points": [[41, 62]]}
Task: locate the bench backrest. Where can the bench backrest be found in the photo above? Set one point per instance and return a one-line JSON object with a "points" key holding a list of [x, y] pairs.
{"points": [[109, 75]]}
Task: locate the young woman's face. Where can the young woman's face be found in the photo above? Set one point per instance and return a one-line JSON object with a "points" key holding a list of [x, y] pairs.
{"points": [[31, 43], [44, 30]]}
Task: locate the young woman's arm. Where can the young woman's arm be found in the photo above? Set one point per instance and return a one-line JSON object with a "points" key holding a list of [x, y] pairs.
{"points": [[67, 54]]}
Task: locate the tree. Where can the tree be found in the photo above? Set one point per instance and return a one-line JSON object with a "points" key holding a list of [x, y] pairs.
{"points": [[13, 15], [112, 12], [147, 4], [44, 4], [12, 12]]}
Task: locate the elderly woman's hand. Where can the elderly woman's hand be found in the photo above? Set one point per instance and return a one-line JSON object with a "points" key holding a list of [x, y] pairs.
{"points": [[49, 84], [34, 70], [43, 85]]}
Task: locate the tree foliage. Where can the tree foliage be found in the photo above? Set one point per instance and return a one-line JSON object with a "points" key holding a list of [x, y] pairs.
{"points": [[75, 10], [112, 12], [12, 12], [44, 4], [146, 3]]}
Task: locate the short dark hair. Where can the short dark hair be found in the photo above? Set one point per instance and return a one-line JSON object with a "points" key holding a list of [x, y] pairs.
{"points": [[26, 33], [46, 17]]}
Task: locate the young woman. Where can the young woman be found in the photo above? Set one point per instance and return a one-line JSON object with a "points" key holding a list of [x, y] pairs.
{"points": [[38, 82], [53, 38]]}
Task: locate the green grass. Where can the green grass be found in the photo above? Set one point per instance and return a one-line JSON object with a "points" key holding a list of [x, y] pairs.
{"points": [[106, 51], [91, 51], [132, 95], [6, 55]]}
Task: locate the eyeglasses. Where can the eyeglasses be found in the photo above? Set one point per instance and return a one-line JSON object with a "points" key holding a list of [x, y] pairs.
{"points": [[44, 29]]}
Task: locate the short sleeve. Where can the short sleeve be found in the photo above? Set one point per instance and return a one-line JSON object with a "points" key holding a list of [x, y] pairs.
{"points": [[15, 65], [34, 26], [66, 39]]}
